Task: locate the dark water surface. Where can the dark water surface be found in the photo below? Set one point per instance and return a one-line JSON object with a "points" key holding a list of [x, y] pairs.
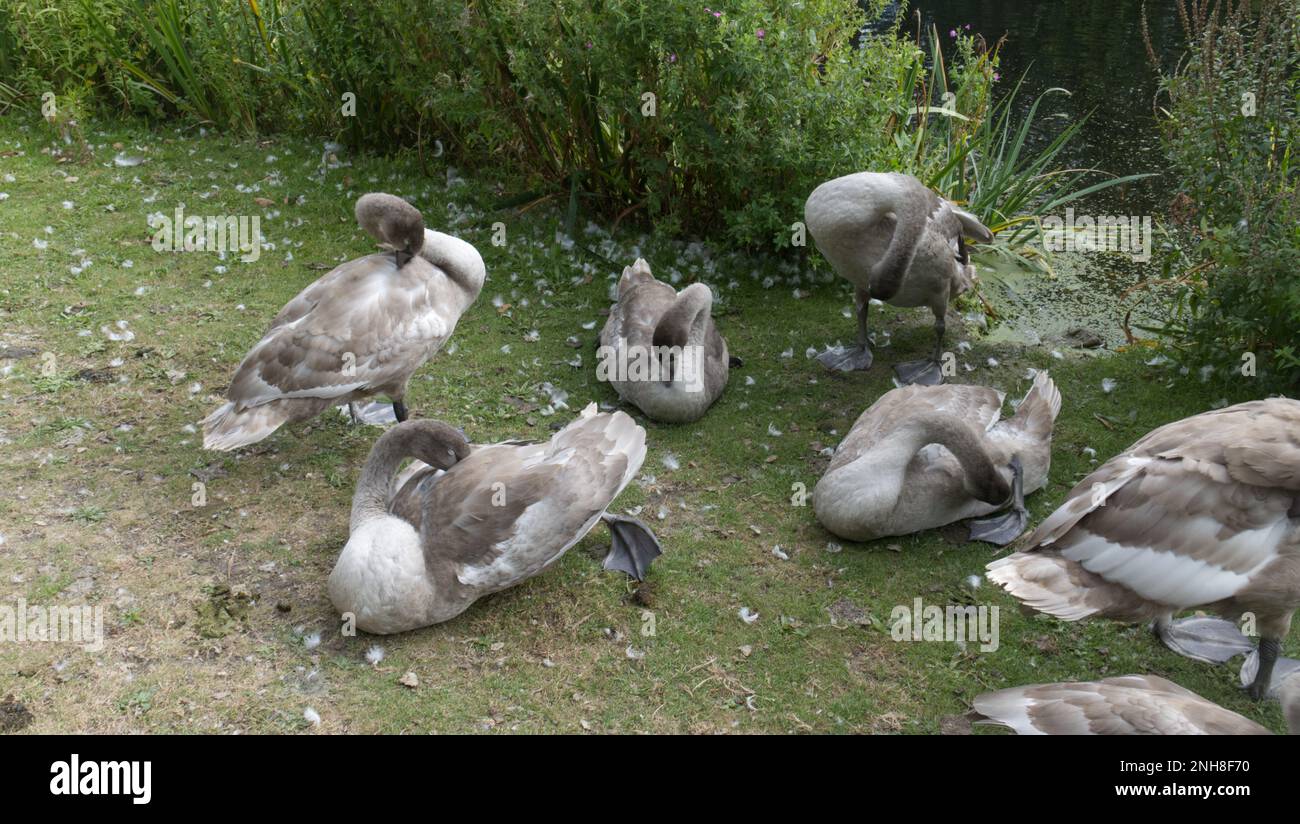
{"points": [[1094, 49]]}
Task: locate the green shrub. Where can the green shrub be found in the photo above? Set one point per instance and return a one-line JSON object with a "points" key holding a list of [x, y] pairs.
{"points": [[49, 45], [698, 120], [752, 105], [1230, 130], [206, 60]]}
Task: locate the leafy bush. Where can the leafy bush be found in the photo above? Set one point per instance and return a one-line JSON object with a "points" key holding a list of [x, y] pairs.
{"points": [[694, 118], [47, 45], [201, 58], [1230, 132], [699, 120], [752, 105]]}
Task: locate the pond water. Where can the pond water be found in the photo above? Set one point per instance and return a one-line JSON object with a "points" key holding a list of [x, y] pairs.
{"points": [[1093, 48]]}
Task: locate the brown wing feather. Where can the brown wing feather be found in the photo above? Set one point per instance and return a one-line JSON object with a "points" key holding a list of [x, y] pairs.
{"points": [[470, 520], [366, 307], [1129, 705], [1256, 444], [529, 502]]}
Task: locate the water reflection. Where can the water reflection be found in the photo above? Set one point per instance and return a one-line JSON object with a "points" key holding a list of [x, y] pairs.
{"points": [[1094, 49]]}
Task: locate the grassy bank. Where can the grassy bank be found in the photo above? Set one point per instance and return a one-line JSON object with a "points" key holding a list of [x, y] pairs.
{"points": [[212, 611]]}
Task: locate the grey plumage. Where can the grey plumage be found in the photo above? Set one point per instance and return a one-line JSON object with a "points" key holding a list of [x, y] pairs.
{"points": [[1200, 513], [454, 531], [393, 222], [895, 241], [1128, 705], [650, 316], [921, 457], [361, 330]]}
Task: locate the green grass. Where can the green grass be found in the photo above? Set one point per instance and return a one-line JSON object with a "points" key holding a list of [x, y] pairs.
{"points": [[101, 462]]}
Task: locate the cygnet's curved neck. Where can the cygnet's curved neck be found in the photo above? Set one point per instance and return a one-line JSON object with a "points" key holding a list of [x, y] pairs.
{"points": [[435, 443], [459, 260], [687, 319], [888, 461]]}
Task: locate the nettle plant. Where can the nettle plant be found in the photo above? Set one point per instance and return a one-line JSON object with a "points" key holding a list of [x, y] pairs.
{"points": [[1231, 123]]}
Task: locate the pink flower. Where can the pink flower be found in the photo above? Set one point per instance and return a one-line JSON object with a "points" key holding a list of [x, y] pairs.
{"points": [[952, 32], [997, 76], [761, 33], [968, 27], [672, 58], [717, 14], [588, 44]]}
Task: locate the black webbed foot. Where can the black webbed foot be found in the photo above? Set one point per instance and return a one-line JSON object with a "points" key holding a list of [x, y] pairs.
{"points": [[633, 547], [846, 358], [1005, 528], [925, 372]]}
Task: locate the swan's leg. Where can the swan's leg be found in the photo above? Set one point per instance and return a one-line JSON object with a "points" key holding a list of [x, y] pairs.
{"points": [[1005, 528], [1283, 669], [352, 410], [632, 547], [1212, 640], [852, 358], [1268, 652], [862, 302], [1161, 625], [926, 372], [399, 411]]}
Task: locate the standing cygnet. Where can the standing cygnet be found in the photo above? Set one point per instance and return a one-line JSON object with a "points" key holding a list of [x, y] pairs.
{"points": [[361, 330], [898, 242]]}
